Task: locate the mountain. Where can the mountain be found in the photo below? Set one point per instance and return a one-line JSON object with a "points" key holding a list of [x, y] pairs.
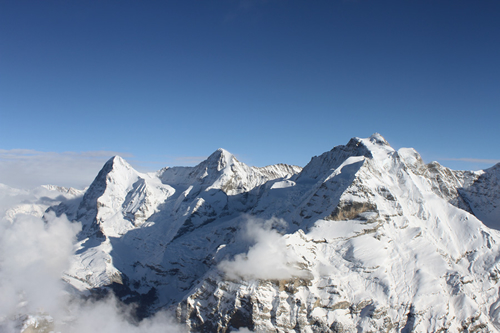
{"points": [[35, 202], [363, 238], [135, 225]]}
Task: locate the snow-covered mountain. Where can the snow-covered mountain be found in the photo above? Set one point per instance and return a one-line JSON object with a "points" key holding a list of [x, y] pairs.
{"points": [[36, 201], [363, 238]]}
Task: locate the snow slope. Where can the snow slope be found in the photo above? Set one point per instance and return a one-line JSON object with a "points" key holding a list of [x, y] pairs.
{"points": [[363, 238], [391, 255]]}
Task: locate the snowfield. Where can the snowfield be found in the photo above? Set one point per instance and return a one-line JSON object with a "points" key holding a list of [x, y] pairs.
{"points": [[362, 239]]}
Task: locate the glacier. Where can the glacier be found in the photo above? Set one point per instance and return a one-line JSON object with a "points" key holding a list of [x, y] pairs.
{"points": [[363, 238]]}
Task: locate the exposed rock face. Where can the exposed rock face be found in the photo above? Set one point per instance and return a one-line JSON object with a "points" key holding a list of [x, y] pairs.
{"points": [[482, 201], [363, 238]]}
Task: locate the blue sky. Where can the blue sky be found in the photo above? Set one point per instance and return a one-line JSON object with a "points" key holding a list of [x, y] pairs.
{"points": [[166, 83]]}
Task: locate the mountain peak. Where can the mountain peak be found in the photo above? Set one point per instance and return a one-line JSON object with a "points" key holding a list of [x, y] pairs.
{"points": [[376, 138], [117, 162], [367, 143], [220, 159], [361, 228], [220, 153], [115, 171], [374, 147], [116, 165]]}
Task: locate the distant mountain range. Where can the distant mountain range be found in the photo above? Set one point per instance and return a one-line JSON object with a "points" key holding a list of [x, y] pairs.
{"points": [[364, 238]]}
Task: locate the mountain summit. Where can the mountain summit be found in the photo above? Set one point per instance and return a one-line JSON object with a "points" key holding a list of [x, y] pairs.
{"points": [[363, 238]]}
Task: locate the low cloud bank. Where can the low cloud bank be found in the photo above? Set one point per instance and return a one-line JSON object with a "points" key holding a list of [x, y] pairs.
{"points": [[109, 315], [33, 256], [270, 258]]}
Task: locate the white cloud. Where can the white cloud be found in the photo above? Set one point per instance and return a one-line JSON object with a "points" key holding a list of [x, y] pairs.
{"points": [[24, 168], [270, 258], [33, 256], [109, 315]]}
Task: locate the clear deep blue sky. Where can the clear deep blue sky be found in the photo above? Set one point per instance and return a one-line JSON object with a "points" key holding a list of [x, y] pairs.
{"points": [[271, 81]]}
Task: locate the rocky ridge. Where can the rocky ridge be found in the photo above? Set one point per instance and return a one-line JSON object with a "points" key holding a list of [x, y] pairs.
{"points": [[363, 238]]}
